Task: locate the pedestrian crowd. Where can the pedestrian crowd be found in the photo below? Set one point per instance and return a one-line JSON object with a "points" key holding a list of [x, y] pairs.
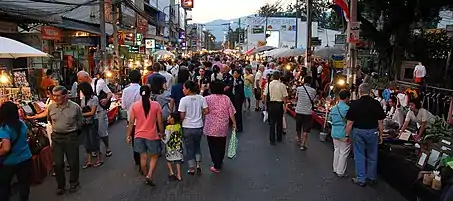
{"points": [[173, 105]]}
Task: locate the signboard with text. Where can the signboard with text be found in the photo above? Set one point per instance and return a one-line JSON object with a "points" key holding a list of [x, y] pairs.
{"points": [[50, 33], [354, 32]]}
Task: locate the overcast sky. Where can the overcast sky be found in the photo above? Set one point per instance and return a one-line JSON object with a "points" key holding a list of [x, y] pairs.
{"points": [[209, 10]]}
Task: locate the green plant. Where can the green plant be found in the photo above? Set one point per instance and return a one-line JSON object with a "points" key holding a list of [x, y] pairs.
{"points": [[439, 128]]}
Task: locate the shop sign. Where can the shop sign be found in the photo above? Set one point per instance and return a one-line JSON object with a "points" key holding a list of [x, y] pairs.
{"points": [[128, 38], [84, 41], [354, 32], [138, 39], [340, 39], [257, 30], [50, 33], [187, 4], [142, 25], [150, 43]]}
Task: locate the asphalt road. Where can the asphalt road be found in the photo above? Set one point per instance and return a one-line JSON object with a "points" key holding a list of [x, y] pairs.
{"points": [[260, 172]]}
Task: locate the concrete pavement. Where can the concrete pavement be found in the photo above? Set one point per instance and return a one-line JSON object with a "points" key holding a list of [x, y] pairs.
{"points": [[260, 172]]}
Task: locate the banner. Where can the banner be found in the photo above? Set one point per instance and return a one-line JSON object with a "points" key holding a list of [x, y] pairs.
{"points": [[50, 33], [354, 32]]}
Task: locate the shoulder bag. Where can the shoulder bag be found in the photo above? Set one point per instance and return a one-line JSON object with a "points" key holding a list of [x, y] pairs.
{"points": [[311, 100], [102, 95]]}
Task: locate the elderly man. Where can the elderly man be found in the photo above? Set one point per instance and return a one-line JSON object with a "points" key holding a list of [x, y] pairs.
{"points": [[276, 94], [365, 123], [104, 94], [66, 119]]}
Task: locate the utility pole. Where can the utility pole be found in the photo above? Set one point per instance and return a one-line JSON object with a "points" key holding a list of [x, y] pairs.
{"points": [[116, 53], [352, 46], [115, 27], [297, 22], [103, 36], [309, 20]]}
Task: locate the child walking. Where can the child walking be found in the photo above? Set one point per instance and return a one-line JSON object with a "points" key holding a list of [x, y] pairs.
{"points": [[173, 142]]}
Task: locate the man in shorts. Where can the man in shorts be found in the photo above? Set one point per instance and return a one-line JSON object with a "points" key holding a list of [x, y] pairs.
{"points": [[305, 95]]}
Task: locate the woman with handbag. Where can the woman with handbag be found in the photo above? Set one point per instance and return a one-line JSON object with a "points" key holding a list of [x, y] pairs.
{"points": [[341, 143], [15, 154], [90, 106]]}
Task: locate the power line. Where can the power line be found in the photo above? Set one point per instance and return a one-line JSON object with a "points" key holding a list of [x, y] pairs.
{"points": [[90, 2]]}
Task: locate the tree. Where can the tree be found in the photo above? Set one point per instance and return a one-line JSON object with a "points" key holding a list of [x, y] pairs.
{"points": [[398, 19], [321, 12]]}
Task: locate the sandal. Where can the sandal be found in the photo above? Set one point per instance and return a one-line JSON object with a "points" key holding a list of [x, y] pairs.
{"points": [[98, 163], [87, 165], [178, 178], [198, 170], [108, 153], [191, 172]]}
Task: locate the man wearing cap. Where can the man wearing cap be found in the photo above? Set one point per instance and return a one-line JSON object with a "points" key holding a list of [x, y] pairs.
{"points": [[276, 94]]}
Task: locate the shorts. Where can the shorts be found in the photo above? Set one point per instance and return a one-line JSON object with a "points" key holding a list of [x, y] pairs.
{"points": [[257, 93], [142, 145], [304, 121]]}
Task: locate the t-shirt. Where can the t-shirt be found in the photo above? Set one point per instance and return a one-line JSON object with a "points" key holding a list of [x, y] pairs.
{"points": [[423, 115], [192, 106], [420, 71], [258, 77], [156, 79], [100, 86], [20, 151], [304, 104], [177, 93], [146, 126], [93, 102], [365, 112]]}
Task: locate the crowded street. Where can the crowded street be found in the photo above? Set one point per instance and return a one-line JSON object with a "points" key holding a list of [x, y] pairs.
{"points": [[259, 172]]}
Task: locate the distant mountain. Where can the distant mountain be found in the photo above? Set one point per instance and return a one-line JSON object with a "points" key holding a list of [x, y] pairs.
{"points": [[217, 29]]}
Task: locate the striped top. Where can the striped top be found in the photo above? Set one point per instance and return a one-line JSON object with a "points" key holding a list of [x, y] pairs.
{"points": [[304, 105]]}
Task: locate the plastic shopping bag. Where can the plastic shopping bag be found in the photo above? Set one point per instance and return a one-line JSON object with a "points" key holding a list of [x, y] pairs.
{"points": [[265, 116], [233, 145]]}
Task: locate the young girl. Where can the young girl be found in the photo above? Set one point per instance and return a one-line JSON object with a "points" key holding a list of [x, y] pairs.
{"points": [[173, 141]]}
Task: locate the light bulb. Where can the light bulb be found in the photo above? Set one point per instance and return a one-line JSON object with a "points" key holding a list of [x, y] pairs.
{"points": [[3, 79]]}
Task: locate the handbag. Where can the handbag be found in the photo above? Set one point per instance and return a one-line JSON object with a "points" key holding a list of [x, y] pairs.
{"points": [[102, 95], [311, 100], [232, 145]]}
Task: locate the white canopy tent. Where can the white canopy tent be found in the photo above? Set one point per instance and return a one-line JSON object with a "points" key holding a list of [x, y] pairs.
{"points": [[12, 49]]}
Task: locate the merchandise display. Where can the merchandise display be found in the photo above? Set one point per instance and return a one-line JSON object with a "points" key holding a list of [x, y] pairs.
{"points": [[20, 79]]}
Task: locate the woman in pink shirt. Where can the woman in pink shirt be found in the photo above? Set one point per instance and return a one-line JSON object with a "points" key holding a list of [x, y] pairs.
{"points": [[216, 124], [146, 114]]}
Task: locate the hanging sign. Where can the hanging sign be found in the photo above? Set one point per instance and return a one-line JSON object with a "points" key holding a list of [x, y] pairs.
{"points": [[150, 43], [354, 32]]}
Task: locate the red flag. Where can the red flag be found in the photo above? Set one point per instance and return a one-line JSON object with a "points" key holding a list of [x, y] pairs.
{"points": [[343, 4]]}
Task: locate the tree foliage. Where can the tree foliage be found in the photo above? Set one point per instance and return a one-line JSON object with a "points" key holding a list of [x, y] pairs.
{"points": [[397, 20], [321, 12]]}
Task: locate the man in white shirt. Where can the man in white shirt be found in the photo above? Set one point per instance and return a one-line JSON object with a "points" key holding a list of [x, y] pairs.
{"points": [[257, 86], [103, 122], [305, 96], [168, 77], [419, 73], [131, 94]]}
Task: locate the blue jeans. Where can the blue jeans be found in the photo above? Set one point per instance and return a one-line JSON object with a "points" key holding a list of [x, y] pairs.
{"points": [[365, 141], [192, 140]]}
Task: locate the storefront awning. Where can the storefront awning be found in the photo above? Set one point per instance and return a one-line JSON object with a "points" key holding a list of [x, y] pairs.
{"points": [[19, 13], [79, 26]]}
